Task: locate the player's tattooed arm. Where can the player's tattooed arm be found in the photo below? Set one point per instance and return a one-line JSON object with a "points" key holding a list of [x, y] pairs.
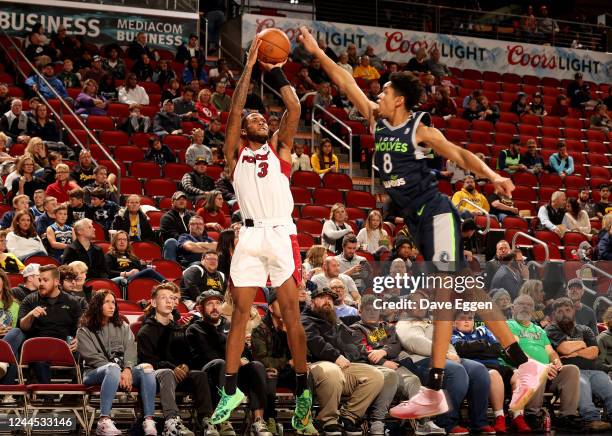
{"points": [[232, 132]]}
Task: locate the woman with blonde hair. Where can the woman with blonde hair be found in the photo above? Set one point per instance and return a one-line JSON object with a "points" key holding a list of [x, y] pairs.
{"points": [[335, 228], [37, 149], [314, 258], [535, 289], [89, 101], [198, 148], [373, 238], [206, 110], [25, 183]]}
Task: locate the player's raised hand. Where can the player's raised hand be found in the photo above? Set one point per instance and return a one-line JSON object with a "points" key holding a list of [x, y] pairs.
{"points": [[268, 67], [307, 40], [505, 185], [252, 55]]}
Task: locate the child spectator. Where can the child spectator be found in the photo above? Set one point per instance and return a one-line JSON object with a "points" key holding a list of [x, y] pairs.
{"points": [[159, 153], [59, 234], [198, 148]]}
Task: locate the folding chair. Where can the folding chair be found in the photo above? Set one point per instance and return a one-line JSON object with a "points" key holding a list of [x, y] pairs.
{"points": [[19, 406], [97, 284]]}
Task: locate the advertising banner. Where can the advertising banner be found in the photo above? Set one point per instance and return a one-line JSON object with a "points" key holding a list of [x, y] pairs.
{"points": [[100, 24], [456, 51]]}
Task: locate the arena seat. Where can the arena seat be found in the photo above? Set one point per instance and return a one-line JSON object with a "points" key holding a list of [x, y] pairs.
{"points": [[310, 226], [159, 187], [301, 196], [306, 179], [144, 169], [315, 211], [140, 289], [327, 196], [339, 181], [99, 284]]}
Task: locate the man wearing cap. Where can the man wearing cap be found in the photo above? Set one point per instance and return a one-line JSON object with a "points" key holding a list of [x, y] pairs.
{"points": [[203, 276], [509, 160], [95, 71], [207, 338], [174, 223], [52, 83], [197, 183], [333, 348], [30, 283], [167, 122], [584, 314], [537, 105], [192, 245]]}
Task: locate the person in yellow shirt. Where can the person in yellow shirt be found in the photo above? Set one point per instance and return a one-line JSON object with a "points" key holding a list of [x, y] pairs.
{"points": [[470, 193], [365, 70], [325, 160]]}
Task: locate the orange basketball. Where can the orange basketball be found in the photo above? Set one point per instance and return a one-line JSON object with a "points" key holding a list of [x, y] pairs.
{"points": [[275, 46]]}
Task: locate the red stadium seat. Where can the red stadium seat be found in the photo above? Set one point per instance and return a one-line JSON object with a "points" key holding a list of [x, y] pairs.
{"points": [[99, 284], [485, 126], [545, 193], [41, 260], [159, 187], [596, 135], [118, 110], [525, 179], [17, 390], [551, 180], [306, 179], [177, 142], [305, 241], [176, 171], [115, 138], [367, 141], [316, 212], [572, 123], [456, 135], [573, 134], [520, 240], [481, 137], [355, 213], [14, 281], [472, 74], [310, 226], [146, 250], [300, 195], [514, 222], [597, 147], [574, 238], [548, 237], [339, 181], [130, 185], [140, 289], [100, 122], [597, 171], [511, 87], [539, 253], [524, 193], [327, 196], [491, 76], [360, 199], [458, 123], [525, 205], [154, 217], [529, 130], [170, 269], [508, 117], [551, 81], [511, 77], [144, 170], [551, 132], [478, 148], [141, 140], [214, 171], [129, 153], [574, 182], [552, 121], [505, 128]]}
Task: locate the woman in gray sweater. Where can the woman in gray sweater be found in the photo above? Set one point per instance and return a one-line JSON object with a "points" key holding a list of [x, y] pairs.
{"points": [[108, 350]]}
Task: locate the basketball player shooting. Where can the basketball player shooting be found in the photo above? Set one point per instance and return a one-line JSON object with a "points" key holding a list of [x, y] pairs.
{"points": [[267, 246], [403, 139]]}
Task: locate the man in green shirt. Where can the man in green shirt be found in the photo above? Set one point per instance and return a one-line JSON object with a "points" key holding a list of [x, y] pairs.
{"points": [[563, 380]]}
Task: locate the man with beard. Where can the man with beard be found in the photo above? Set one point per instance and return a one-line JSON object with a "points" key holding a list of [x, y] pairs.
{"points": [[333, 349], [353, 265], [584, 314], [586, 203], [576, 345], [563, 378], [203, 276], [551, 214], [83, 173], [207, 338], [502, 250], [511, 273], [603, 207], [469, 192]]}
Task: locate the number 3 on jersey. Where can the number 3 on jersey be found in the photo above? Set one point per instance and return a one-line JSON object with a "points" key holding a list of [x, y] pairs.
{"points": [[387, 164], [263, 169]]}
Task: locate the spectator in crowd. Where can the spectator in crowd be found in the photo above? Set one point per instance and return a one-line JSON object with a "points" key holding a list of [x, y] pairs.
{"points": [[564, 378], [604, 342], [220, 99], [207, 338], [576, 219], [392, 67], [576, 345], [335, 228], [102, 211], [533, 162], [174, 223], [89, 101], [9, 310], [489, 112], [48, 217], [429, 86], [316, 73], [214, 137], [600, 120], [62, 186], [501, 205], [139, 46], [37, 45], [469, 192], [547, 25], [579, 92], [204, 275], [511, 274], [198, 148], [303, 83], [167, 122], [444, 105], [114, 64], [162, 344], [331, 270], [5, 98], [603, 207], [68, 76], [212, 211], [64, 45], [184, 106], [105, 181], [197, 183], [77, 208], [353, 265], [364, 70], [136, 122], [300, 55], [59, 234], [300, 161], [132, 220], [535, 289], [19, 202], [335, 360], [323, 96], [520, 106], [418, 64], [191, 49], [193, 244], [42, 126], [142, 68], [68, 283], [325, 160], [9, 263], [583, 313], [55, 86], [561, 162], [132, 93], [83, 249], [375, 60], [586, 203], [472, 112], [436, 67], [253, 100], [26, 182], [373, 238], [604, 244], [38, 150], [205, 109], [159, 153], [94, 71], [49, 174], [221, 73], [14, 123], [560, 107], [171, 91], [315, 256], [502, 301], [343, 61], [342, 309], [536, 107], [163, 73], [31, 281], [23, 241], [108, 350], [551, 215], [351, 50], [83, 173]]}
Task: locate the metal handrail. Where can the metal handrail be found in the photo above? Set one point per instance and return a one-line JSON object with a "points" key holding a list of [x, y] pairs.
{"points": [[537, 241], [348, 146], [90, 135], [486, 214]]}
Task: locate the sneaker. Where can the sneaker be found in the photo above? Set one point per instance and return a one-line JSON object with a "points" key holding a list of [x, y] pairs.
{"points": [[175, 427], [259, 428], [377, 428], [302, 415], [9, 399], [272, 426], [310, 430], [3, 369], [226, 429], [148, 425], [458, 431], [208, 429], [427, 427], [520, 425], [500, 424], [106, 427], [487, 429], [532, 375], [333, 430], [351, 428], [226, 405], [597, 426], [423, 405]]}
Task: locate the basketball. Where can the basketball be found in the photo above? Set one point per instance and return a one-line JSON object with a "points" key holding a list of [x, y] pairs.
{"points": [[275, 46]]}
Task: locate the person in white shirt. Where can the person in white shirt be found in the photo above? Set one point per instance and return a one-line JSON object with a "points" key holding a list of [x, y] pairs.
{"points": [[132, 92], [23, 241], [458, 173], [342, 309], [335, 228], [343, 62], [576, 219], [372, 237], [300, 161], [331, 270]]}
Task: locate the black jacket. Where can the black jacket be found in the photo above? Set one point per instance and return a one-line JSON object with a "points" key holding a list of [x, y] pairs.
{"points": [[227, 189], [328, 342], [380, 337], [197, 279], [122, 222], [118, 264], [97, 265], [207, 341], [166, 122], [162, 346], [20, 291], [173, 226]]}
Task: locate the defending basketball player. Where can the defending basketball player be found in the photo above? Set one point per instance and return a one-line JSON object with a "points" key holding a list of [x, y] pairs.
{"points": [[403, 139], [267, 245]]}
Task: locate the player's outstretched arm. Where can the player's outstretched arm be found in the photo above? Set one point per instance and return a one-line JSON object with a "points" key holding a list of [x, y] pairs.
{"points": [[434, 139], [232, 131], [342, 78]]}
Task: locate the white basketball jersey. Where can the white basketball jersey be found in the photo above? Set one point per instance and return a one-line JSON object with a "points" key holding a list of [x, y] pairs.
{"points": [[261, 183]]}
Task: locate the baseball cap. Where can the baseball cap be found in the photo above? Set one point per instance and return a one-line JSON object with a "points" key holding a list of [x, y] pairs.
{"points": [[208, 294], [575, 283], [96, 58], [168, 100], [31, 270], [201, 159], [324, 291], [177, 195]]}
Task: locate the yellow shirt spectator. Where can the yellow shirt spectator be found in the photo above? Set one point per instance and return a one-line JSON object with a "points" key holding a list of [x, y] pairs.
{"points": [[469, 192], [365, 70], [325, 160]]}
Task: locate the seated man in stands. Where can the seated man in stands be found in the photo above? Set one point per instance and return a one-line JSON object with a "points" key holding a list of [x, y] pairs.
{"points": [[83, 249], [220, 99], [353, 265], [207, 338], [162, 344], [342, 309], [584, 314], [331, 270], [202, 276], [133, 221], [37, 84], [184, 106], [510, 160], [364, 70], [551, 214], [46, 219], [576, 345], [214, 136], [436, 67], [14, 123], [167, 122], [174, 223], [604, 206], [192, 245], [20, 202], [469, 192], [197, 183], [102, 211], [83, 173], [104, 180], [534, 163], [303, 83], [561, 162], [501, 205], [31, 281], [334, 358]]}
